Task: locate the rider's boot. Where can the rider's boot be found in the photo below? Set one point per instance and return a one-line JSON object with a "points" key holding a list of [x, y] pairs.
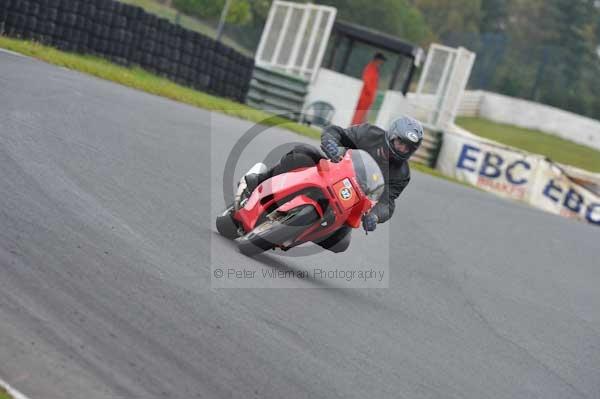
{"points": [[247, 184], [253, 180]]}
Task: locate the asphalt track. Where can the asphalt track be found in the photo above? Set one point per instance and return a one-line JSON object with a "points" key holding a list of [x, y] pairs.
{"points": [[107, 239]]}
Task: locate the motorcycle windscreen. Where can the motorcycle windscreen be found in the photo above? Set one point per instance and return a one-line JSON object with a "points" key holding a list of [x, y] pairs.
{"points": [[368, 174]]}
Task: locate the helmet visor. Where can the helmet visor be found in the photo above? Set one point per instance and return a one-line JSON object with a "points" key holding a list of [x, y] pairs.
{"points": [[400, 146]]}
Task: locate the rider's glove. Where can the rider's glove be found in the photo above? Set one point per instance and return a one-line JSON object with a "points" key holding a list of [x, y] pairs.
{"points": [[369, 222], [331, 150]]}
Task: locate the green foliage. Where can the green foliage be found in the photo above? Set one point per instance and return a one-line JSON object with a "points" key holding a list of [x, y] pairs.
{"points": [[447, 16], [547, 51], [4, 394], [260, 9], [570, 76], [396, 17], [239, 11], [542, 50], [494, 14], [189, 22], [143, 80]]}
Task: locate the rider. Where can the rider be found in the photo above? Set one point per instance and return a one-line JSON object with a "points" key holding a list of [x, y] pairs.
{"points": [[390, 148]]}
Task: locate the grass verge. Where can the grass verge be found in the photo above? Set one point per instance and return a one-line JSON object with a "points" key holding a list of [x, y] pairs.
{"points": [[142, 80], [4, 394], [553, 147]]}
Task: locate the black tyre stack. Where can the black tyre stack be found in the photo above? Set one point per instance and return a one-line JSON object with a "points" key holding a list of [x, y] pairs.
{"points": [[127, 35]]}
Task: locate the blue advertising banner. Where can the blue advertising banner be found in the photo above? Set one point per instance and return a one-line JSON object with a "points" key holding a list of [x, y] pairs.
{"points": [[517, 175]]}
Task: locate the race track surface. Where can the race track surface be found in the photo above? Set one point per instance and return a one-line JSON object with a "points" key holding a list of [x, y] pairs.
{"points": [[106, 243]]}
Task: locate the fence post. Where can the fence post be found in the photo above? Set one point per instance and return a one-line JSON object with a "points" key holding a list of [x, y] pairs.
{"points": [[222, 20]]}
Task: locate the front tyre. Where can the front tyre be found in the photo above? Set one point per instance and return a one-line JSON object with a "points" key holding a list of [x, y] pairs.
{"points": [[226, 226], [273, 233]]}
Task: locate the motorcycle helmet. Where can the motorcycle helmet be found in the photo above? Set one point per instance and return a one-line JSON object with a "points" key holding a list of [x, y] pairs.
{"points": [[404, 137]]}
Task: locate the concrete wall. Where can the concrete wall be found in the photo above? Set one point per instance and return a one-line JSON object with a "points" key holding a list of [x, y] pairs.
{"points": [[339, 90], [394, 104], [471, 103], [531, 115], [548, 119], [423, 104], [342, 92]]}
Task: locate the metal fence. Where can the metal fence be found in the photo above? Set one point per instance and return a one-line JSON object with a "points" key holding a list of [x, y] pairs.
{"points": [[277, 92]]}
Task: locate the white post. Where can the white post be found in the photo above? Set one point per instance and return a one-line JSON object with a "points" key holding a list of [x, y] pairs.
{"points": [[312, 40], [284, 32], [468, 59], [425, 70], [323, 42], [299, 37], [306, 50], [265, 34], [222, 20], [442, 89]]}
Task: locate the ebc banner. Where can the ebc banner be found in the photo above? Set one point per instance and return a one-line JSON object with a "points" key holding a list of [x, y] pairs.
{"points": [[495, 169]]}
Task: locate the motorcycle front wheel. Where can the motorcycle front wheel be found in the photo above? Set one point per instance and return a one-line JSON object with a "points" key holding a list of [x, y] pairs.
{"points": [[226, 226]]}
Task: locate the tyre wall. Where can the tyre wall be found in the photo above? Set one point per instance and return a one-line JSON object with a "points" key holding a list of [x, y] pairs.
{"points": [[128, 35]]}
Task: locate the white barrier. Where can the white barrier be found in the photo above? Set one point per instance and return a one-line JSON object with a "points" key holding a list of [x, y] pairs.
{"points": [[471, 103], [517, 175], [339, 90], [394, 104], [423, 103], [536, 116], [523, 113]]}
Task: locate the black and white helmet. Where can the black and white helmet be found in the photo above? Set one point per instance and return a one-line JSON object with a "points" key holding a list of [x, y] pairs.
{"points": [[404, 137]]}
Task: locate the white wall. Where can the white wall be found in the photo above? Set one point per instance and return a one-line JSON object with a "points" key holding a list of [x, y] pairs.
{"points": [[527, 114], [470, 103], [394, 105], [339, 90], [342, 92], [422, 104], [548, 119]]}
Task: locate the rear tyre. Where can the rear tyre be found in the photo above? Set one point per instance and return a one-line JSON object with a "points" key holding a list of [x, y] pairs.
{"points": [[226, 226], [273, 233]]}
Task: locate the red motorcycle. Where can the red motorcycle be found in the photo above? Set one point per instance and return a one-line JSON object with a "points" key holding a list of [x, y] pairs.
{"points": [[306, 204]]}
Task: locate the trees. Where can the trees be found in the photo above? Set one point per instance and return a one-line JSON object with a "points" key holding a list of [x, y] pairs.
{"points": [[239, 11], [396, 17], [569, 77], [494, 15], [448, 16], [544, 50]]}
